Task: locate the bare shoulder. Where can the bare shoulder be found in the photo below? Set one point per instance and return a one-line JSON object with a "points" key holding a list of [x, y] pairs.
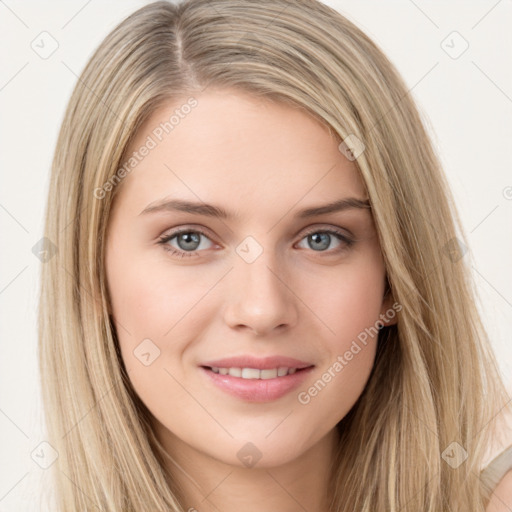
{"points": [[501, 499]]}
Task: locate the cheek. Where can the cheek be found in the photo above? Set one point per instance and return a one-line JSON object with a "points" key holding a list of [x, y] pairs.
{"points": [[152, 309], [350, 303], [349, 308], [148, 295], [157, 310]]}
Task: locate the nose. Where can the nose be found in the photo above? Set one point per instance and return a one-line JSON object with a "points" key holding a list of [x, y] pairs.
{"points": [[260, 298]]}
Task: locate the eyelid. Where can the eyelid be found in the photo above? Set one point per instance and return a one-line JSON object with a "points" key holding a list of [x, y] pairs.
{"points": [[186, 228], [326, 227]]}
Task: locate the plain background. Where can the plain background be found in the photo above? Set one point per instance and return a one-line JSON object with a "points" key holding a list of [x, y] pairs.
{"points": [[464, 95]]}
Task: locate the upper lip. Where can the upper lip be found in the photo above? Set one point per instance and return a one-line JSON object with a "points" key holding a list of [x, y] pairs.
{"points": [[259, 363]]}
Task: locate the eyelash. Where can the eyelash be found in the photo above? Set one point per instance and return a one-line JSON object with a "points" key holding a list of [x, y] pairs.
{"points": [[175, 252]]}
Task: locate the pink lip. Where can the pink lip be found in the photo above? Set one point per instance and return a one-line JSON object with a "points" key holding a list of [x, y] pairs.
{"points": [[260, 363], [257, 390]]}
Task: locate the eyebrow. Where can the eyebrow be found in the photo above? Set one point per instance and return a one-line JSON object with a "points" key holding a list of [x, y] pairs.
{"points": [[209, 210]]}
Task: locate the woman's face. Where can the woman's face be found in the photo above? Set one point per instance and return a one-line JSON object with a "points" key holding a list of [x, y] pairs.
{"points": [[270, 279]]}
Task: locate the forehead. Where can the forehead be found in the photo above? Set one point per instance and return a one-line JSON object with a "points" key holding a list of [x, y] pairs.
{"points": [[234, 148]]}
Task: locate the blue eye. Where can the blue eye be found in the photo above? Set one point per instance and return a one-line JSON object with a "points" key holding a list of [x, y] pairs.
{"points": [[189, 241], [321, 239]]}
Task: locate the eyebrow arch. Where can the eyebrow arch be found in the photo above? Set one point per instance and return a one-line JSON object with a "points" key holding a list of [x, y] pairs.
{"points": [[209, 210]]}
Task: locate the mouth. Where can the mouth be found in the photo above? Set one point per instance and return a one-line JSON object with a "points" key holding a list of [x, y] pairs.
{"points": [[256, 385]]}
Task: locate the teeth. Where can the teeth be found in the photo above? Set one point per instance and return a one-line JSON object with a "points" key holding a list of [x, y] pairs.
{"points": [[254, 373], [248, 373], [282, 371], [268, 374]]}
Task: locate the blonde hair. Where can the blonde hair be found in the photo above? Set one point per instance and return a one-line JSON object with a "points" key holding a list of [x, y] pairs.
{"points": [[434, 381]]}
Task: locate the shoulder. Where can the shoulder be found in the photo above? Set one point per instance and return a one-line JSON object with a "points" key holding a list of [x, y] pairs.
{"points": [[501, 499]]}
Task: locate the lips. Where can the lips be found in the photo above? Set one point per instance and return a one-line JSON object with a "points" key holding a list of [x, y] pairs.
{"points": [[257, 379]]}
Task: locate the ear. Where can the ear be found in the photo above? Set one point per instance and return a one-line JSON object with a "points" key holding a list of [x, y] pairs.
{"points": [[388, 312]]}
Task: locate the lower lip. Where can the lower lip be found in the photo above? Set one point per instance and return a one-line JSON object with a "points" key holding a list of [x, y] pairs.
{"points": [[258, 390]]}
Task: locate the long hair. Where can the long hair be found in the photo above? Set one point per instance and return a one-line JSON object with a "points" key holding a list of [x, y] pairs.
{"points": [[434, 386]]}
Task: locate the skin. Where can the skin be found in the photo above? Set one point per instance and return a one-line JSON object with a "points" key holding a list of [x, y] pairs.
{"points": [[264, 162], [501, 498]]}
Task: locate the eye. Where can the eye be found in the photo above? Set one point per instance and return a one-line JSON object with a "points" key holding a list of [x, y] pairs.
{"points": [[320, 239], [187, 240]]}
